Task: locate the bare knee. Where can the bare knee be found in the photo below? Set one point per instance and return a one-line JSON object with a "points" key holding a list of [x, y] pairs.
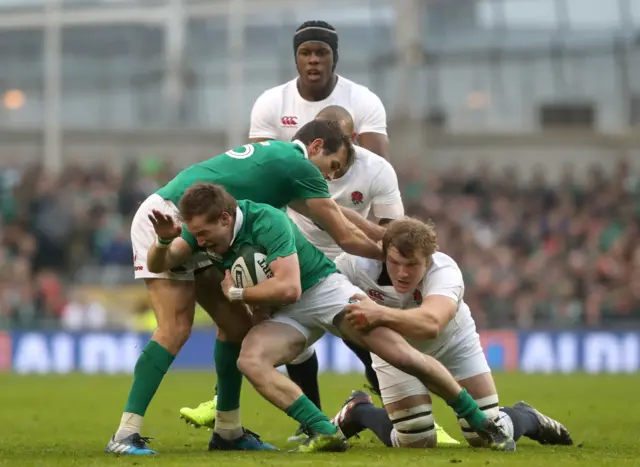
{"points": [[173, 334], [397, 356], [252, 359], [174, 305]]}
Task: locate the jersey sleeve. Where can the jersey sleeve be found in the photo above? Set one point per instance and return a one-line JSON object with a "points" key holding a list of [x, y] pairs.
{"points": [[387, 200], [346, 265], [276, 235], [446, 280], [264, 118], [371, 117], [189, 238], [307, 181]]}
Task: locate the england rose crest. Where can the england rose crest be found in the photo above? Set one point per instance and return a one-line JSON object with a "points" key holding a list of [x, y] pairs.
{"points": [[356, 197]]}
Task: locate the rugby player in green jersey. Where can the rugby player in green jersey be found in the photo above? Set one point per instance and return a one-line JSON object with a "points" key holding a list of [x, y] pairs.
{"points": [[275, 173], [307, 296]]}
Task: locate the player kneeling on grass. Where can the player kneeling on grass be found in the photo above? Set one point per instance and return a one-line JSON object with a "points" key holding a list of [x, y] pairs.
{"points": [[420, 296], [314, 296]]}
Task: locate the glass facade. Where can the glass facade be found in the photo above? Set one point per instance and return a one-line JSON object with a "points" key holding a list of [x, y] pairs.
{"points": [[488, 64]]}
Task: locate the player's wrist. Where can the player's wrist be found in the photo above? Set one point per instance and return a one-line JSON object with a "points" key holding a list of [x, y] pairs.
{"points": [[236, 294], [163, 242]]}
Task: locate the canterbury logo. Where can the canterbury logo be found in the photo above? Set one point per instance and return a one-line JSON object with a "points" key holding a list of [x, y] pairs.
{"points": [[289, 121]]}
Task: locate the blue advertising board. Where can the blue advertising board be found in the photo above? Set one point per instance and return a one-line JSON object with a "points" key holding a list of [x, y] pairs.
{"points": [[116, 352]]}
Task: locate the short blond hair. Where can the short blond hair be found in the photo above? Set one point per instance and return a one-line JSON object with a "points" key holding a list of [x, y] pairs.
{"points": [[411, 237]]}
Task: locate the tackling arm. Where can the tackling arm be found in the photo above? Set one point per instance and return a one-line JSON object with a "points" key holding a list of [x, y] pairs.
{"points": [[327, 213], [425, 322], [160, 259], [373, 231]]}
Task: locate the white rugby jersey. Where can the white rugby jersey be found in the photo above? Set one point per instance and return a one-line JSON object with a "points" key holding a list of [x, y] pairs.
{"points": [[442, 278], [280, 112], [369, 182]]}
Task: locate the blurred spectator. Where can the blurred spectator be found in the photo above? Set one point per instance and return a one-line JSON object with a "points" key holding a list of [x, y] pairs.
{"points": [[532, 254], [539, 255], [66, 231]]}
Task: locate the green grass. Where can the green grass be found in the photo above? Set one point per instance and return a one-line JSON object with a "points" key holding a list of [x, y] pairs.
{"points": [[67, 421]]}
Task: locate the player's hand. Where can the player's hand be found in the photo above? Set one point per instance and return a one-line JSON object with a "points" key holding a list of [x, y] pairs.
{"points": [[227, 283], [363, 314], [163, 224]]}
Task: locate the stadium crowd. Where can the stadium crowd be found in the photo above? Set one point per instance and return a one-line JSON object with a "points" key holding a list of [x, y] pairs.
{"points": [[533, 253]]}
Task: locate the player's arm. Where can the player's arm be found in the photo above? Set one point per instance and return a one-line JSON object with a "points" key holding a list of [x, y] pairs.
{"points": [[172, 247], [162, 258], [387, 200], [278, 239], [264, 120], [425, 322], [312, 199], [371, 230], [438, 307], [281, 289], [326, 213], [372, 126]]}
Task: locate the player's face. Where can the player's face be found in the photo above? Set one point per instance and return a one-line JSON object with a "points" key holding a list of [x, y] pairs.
{"points": [[329, 163], [314, 61], [405, 273], [215, 236]]}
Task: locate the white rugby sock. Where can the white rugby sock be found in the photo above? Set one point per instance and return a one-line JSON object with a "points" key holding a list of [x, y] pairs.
{"points": [[228, 424], [130, 423]]}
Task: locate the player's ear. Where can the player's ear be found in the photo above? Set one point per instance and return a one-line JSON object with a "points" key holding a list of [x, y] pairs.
{"points": [[354, 135], [225, 218], [315, 147]]}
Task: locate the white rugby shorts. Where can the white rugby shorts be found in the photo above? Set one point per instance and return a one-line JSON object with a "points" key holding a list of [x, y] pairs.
{"points": [[143, 236], [463, 360], [314, 313]]}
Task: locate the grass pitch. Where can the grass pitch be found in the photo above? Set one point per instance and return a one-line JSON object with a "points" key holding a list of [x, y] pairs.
{"points": [[67, 421]]}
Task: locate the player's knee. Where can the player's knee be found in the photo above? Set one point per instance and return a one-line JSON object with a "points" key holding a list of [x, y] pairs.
{"points": [[413, 428], [397, 356], [489, 405], [252, 359], [174, 333]]}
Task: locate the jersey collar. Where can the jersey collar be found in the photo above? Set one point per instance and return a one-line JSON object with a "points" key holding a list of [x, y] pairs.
{"points": [[302, 146], [238, 225]]}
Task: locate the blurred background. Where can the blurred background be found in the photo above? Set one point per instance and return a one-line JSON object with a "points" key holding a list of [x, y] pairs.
{"points": [[513, 125]]}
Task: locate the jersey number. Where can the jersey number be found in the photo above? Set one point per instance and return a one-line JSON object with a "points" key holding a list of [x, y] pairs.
{"points": [[244, 151]]}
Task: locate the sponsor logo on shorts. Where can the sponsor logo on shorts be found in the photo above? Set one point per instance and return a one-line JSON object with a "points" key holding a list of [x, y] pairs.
{"points": [[357, 197], [289, 121], [136, 267], [376, 295]]}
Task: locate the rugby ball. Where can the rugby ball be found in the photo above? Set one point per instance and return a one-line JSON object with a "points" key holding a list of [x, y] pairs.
{"points": [[250, 267]]}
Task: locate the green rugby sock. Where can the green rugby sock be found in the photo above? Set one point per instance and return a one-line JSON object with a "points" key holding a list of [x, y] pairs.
{"points": [[152, 365], [308, 415], [229, 377], [465, 407]]}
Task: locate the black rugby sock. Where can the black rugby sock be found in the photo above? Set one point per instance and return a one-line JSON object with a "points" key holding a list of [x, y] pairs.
{"points": [[524, 422], [376, 420], [305, 375]]}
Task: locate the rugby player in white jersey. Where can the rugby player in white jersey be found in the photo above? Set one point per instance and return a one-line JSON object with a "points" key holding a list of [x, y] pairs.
{"points": [[418, 292], [280, 111]]}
